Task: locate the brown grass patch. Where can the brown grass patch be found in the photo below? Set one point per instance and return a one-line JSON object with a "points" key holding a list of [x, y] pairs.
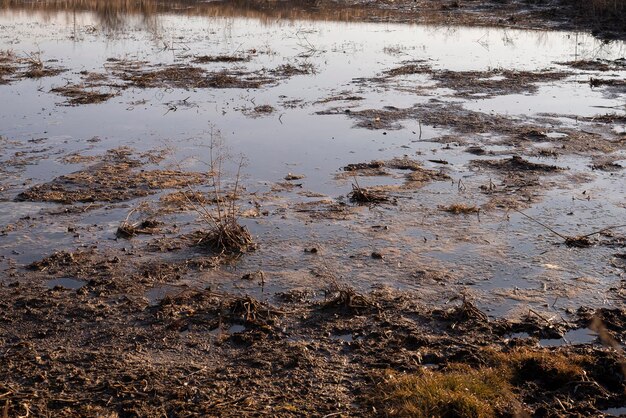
{"points": [[186, 77], [80, 95], [206, 59], [115, 179], [13, 67], [460, 208], [484, 392], [551, 370], [456, 392], [367, 196]]}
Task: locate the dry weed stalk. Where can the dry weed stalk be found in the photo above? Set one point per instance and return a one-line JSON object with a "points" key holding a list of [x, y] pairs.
{"points": [[128, 229], [340, 296], [366, 196], [224, 233]]}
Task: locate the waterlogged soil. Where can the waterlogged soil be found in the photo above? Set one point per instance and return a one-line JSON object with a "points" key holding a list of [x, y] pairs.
{"points": [[400, 203], [202, 352]]}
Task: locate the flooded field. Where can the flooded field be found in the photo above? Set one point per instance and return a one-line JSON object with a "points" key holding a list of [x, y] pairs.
{"points": [[212, 198]]}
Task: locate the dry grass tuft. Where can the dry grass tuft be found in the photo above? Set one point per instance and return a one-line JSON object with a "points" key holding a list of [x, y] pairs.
{"points": [[460, 209], [456, 392], [551, 370], [205, 59], [80, 95], [224, 234], [228, 237], [484, 392], [365, 196]]}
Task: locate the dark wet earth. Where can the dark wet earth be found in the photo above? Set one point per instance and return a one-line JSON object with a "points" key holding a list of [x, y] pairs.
{"points": [[371, 163]]}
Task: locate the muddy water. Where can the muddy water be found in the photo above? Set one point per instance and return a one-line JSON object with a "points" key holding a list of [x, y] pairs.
{"points": [[502, 259]]}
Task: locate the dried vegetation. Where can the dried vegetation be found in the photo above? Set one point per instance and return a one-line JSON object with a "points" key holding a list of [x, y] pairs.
{"points": [[483, 83], [117, 177], [456, 392], [80, 94], [14, 67], [224, 234], [461, 208], [367, 196]]}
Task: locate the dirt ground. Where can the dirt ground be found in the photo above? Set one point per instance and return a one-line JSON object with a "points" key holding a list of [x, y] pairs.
{"points": [[201, 352], [129, 324], [110, 332]]}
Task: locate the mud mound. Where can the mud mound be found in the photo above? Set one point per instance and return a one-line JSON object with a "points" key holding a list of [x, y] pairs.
{"points": [[116, 178]]}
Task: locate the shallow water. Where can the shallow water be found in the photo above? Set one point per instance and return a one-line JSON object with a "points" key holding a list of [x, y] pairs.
{"points": [[503, 258], [66, 282]]}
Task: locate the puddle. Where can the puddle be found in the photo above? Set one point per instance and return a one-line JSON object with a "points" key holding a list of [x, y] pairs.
{"points": [[391, 173], [65, 282], [520, 335], [615, 412], [498, 253], [156, 294], [233, 329], [575, 336]]}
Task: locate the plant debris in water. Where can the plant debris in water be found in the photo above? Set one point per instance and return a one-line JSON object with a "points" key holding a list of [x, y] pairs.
{"points": [[367, 196], [14, 67], [148, 334], [461, 208], [117, 178], [80, 95], [204, 59], [484, 83]]}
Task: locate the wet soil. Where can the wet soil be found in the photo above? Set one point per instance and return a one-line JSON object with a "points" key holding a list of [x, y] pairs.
{"points": [[198, 351], [116, 178], [395, 224], [14, 68], [483, 83]]}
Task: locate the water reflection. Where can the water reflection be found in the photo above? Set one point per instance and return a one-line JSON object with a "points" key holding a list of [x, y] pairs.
{"points": [[115, 14]]}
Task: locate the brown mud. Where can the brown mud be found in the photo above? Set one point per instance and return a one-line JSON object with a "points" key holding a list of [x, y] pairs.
{"points": [[156, 299], [520, 133], [124, 74], [203, 352], [115, 178], [14, 68], [483, 83]]}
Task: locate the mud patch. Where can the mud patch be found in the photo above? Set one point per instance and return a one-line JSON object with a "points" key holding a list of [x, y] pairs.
{"points": [[205, 59], [80, 94], [596, 65], [479, 83], [117, 178], [516, 164], [186, 77], [14, 67]]}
